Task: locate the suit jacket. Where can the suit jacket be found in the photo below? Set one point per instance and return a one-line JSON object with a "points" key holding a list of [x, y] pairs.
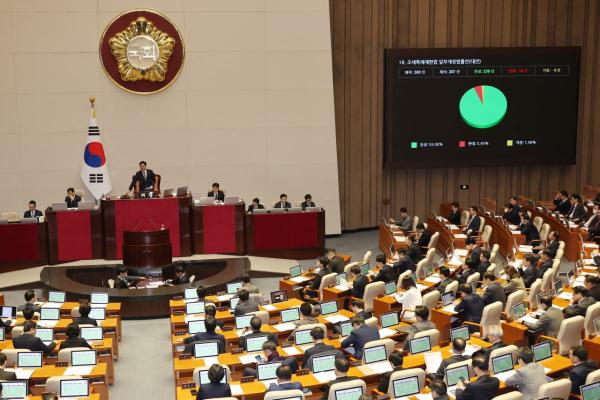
{"points": [[471, 308], [530, 232], [529, 276], [405, 224], [482, 268], [121, 284], [595, 291], [32, 343], [328, 386], [305, 204], [494, 293], [544, 267], [85, 321], [7, 375], [36, 213], [36, 308], [473, 224], [443, 284], [337, 264], [213, 391], [484, 388], [578, 374], [425, 238], [245, 307], [384, 382], [513, 285], [415, 328], [251, 288], [528, 379], [513, 215], [359, 337], [74, 342], [462, 277], [549, 322], [72, 203], [204, 336], [284, 386], [414, 252], [441, 372], [220, 195], [553, 247], [281, 204], [576, 212], [181, 280], [454, 218], [316, 349], [270, 337], [316, 282], [403, 265], [358, 287], [580, 308], [145, 184], [474, 259], [486, 351], [306, 321], [385, 274], [251, 207], [563, 207]]}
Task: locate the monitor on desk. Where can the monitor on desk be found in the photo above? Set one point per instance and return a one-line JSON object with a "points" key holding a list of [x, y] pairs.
{"points": [[98, 313], [456, 374], [302, 337], [539, 296], [169, 193], [74, 388], [182, 191], [428, 270], [323, 363], [447, 298], [519, 310], [91, 333], [389, 319], [364, 269], [390, 288], [197, 326], [60, 206], [29, 220], [345, 328], [30, 359], [56, 297], [290, 315], [206, 349], [233, 303], [460, 332], [195, 307], [231, 200], [14, 390], [2, 334], [349, 394], [542, 351], [260, 211], [341, 279], [276, 210], [205, 201], [232, 288], [243, 321], [420, 345], [375, 354], [9, 312], [203, 376], [99, 298], [312, 209], [86, 205], [558, 287], [591, 391], [255, 343], [278, 296], [81, 358], [190, 293], [502, 363], [294, 210], [49, 314], [265, 372], [329, 307], [295, 271], [45, 334], [405, 387]]}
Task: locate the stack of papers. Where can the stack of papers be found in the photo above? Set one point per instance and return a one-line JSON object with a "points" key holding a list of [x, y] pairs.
{"points": [[247, 359], [208, 361], [455, 261], [400, 238], [449, 308], [525, 249], [334, 319], [515, 232], [342, 288], [433, 359], [470, 349], [376, 368], [81, 371], [386, 332], [299, 279], [453, 227], [433, 279], [325, 377], [102, 305], [48, 324], [461, 252], [503, 376], [21, 372], [269, 307], [291, 351], [305, 347], [225, 297], [529, 319], [288, 326], [236, 390], [565, 295], [52, 305], [189, 318], [460, 236], [590, 245]]}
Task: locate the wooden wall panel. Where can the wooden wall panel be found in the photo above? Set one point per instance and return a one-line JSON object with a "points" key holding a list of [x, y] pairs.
{"points": [[362, 29]]}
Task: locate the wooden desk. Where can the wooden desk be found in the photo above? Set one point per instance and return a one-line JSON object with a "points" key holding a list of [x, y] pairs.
{"points": [[593, 347], [442, 321], [289, 284], [388, 303], [389, 237], [218, 229], [74, 235], [92, 396], [98, 380], [23, 245]]}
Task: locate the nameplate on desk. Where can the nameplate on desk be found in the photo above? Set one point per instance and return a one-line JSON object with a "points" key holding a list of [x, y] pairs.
{"points": [[178, 313], [190, 385], [227, 328], [180, 333], [178, 298], [185, 356], [237, 351], [246, 379], [61, 364], [301, 372]]}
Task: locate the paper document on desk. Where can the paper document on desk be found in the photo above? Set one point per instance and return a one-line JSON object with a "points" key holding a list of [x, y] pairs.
{"points": [[305, 347], [247, 359], [81, 370], [425, 396], [461, 252], [376, 368], [386, 332], [565, 295], [590, 245], [52, 305], [433, 279], [334, 319], [449, 308], [512, 227], [530, 320], [288, 326], [299, 279], [400, 238], [325, 377], [208, 361], [470, 349], [457, 262], [22, 373], [269, 307], [291, 351], [453, 227], [433, 359], [525, 249], [225, 297], [342, 288], [101, 305], [236, 390], [47, 324], [189, 318], [190, 300], [460, 236], [515, 232], [503, 376]]}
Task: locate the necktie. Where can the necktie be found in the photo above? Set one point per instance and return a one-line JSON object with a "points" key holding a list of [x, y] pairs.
{"points": [[144, 175]]}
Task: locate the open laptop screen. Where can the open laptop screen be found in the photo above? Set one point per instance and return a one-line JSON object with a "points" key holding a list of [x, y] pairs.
{"points": [[375, 354], [14, 390], [74, 388], [405, 387]]}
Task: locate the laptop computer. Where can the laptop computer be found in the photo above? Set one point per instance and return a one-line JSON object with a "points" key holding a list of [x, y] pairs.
{"points": [[92, 333], [390, 288], [232, 288], [15, 389], [255, 343], [85, 205], [290, 315], [405, 387], [60, 206], [519, 310], [312, 209], [341, 279], [195, 307], [388, 319], [243, 321], [302, 337], [206, 349], [278, 296], [502, 363], [364, 269], [8, 312], [231, 200], [49, 314], [295, 271], [447, 298], [56, 297], [30, 359], [46, 334], [98, 313], [203, 376], [346, 328], [352, 393], [420, 345], [558, 287], [277, 211], [80, 358], [266, 372], [324, 363], [375, 354], [294, 210], [196, 327], [456, 374], [591, 391], [460, 332], [99, 298], [542, 351], [190, 293], [74, 388], [234, 302], [329, 307]]}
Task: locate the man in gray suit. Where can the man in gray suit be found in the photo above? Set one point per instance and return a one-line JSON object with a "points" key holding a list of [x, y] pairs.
{"points": [[529, 377], [549, 321], [249, 287], [244, 306], [5, 375], [404, 222], [422, 324], [493, 290]]}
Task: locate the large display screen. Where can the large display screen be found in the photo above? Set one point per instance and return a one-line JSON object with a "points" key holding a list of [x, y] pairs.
{"points": [[481, 106]]}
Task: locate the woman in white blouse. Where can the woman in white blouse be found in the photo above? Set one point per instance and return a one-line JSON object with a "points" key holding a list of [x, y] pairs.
{"points": [[411, 298]]}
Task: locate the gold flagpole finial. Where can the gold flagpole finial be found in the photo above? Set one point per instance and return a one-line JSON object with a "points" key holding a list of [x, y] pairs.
{"points": [[92, 100]]}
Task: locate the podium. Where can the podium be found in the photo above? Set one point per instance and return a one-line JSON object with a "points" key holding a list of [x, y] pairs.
{"points": [[146, 248]]}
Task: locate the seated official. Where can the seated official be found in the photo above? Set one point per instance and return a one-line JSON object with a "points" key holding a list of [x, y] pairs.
{"points": [[283, 202], [270, 355], [312, 290], [284, 380], [244, 306], [421, 324], [592, 283], [247, 285], [529, 271], [411, 296], [84, 318], [474, 256], [72, 199], [201, 293], [32, 212], [528, 229], [546, 262], [210, 310], [414, 250], [454, 216], [581, 367], [360, 282], [211, 325], [511, 211], [424, 235], [493, 291], [73, 339], [445, 274], [474, 221], [514, 283], [457, 348], [6, 375], [484, 262], [580, 302], [181, 276], [463, 272], [562, 203], [360, 335], [254, 330], [396, 359], [30, 300], [318, 335], [593, 223], [577, 211], [214, 389], [28, 315], [404, 221], [307, 202], [145, 177], [550, 320], [470, 307], [28, 340], [439, 391], [216, 193], [342, 365], [255, 205], [306, 316], [403, 262], [385, 272], [358, 308], [529, 376], [336, 263], [495, 336], [484, 388], [122, 281]]}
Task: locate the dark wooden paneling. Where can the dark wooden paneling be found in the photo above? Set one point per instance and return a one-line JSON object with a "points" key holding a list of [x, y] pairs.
{"points": [[361, 29]]}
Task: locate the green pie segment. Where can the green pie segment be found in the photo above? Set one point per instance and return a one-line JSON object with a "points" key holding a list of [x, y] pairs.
{"points": [[483, 106]]}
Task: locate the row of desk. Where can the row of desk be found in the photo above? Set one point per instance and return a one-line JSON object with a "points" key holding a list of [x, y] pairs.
{"points": [[224, 229]]}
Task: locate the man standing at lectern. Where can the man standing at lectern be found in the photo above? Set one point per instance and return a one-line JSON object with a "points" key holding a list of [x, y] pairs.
{"points": [[145, 177], [216, 193]]}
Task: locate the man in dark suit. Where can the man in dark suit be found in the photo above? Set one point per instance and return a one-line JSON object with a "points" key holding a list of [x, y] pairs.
{"points": [[422, 324], [529, 271], [84, 318], [593, 223], [484, 388], [307, 202], [255, 325], [414, 251], [214, 389], [284, 380], [495, 335], [592, 283], [336, 263], [493, 291], [210, 335], [317, 335], [577, 210], [484, 262], [470, 307], [73, 339], [360, 335], [474, 258], [424, 235], [122, 281], [561, 202], [181, 276], [581, 367], [311, 291], [546, 263], [30, 299], [72, 199], [342, 365], [28, 340], [553, 243], [404, 263], [457, 348], [528, 229], [255, 205], [283, 203], [244, 306], [445, 274], [358, 308], [360, 282], [474, 221], [511, 211], [396, 359], [385, 272], [454, 216], [32, 212], [6, 375], [145, 177], [216, 193], [580, 302]]}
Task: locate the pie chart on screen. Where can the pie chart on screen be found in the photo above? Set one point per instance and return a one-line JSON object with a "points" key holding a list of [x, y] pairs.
{"points": [[483, 106]]}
